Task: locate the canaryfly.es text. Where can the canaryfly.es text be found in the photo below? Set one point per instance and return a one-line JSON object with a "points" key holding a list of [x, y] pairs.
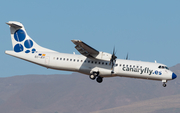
{"points": [[140, 70]]}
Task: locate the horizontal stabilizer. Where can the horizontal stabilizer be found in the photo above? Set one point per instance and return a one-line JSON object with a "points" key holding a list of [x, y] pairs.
{"points": [[12, 24]]}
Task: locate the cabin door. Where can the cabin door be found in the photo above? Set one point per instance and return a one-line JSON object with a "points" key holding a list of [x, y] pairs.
{"points": [[47, 60]]}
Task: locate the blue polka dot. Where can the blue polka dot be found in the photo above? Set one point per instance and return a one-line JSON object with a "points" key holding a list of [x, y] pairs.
{"points": [[33, 49], [27, 51], [19, 35], [18, 48], [28, 43]]}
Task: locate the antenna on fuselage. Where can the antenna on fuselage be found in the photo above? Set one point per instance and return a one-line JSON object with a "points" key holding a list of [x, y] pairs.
{"points": [[127, 57]]}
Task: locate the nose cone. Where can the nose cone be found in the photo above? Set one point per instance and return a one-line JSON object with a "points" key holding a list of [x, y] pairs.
{"points": [[174, 75]]}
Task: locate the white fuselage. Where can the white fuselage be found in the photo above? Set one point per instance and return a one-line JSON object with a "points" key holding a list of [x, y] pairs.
{"points": [[82, 64]]}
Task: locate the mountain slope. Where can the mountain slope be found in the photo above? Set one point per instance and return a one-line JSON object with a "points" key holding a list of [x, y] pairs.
{"points": [[76, 93], [157, 105]]}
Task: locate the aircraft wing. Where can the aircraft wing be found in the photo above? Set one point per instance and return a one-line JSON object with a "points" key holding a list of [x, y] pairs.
{"points": [[85, 49]]}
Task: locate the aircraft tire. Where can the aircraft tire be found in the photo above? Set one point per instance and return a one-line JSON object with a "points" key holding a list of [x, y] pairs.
{"points": [[99, 79], [92, 77], [164, 84], [95, 73]]}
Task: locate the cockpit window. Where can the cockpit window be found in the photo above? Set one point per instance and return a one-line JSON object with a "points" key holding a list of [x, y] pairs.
{"points": [[167, 68], [163, 67]]}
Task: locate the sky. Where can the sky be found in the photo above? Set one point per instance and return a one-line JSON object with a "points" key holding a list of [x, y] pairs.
{"points": [[146, 30]]}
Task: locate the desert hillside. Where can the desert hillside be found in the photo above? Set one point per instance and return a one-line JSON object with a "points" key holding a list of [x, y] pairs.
{"points": [[76, 93]]}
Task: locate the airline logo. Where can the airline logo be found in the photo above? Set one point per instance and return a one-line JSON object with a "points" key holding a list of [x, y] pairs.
{"points": [[141, 71], [22, 42]]}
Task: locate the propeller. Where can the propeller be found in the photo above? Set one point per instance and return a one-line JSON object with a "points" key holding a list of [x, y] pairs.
{"points": [[113, 59]]}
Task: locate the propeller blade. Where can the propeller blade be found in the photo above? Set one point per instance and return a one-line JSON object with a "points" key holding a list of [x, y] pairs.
{"points": [[113, 59]]}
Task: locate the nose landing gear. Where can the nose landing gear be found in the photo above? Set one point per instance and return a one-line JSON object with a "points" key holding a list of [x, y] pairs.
{"points": [[164, 83]]}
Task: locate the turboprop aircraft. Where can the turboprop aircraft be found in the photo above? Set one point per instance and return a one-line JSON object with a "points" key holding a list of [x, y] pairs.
{"points": [[96, 64]]}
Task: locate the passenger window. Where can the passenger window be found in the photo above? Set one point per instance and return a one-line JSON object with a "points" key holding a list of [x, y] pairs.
{"points": [[64, 59], [70, 59], [91, 61], [102, 63], [88, 61], [77, 60], [116, 64], [106, 63], [119, 64], [67, 59], [57, 58], [60, 59], [99, 62], [74, 60], [95, 62]]}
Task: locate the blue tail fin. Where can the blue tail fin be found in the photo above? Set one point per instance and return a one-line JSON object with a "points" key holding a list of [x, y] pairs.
{"points": [[21, 42]]}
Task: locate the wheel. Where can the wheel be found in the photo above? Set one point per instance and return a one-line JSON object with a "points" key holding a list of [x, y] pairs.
{"points": [[92, 77], [95, 73], [99, 79], [164, 84]]}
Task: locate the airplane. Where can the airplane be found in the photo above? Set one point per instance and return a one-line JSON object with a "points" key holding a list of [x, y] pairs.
{"points": [[96, 64]]}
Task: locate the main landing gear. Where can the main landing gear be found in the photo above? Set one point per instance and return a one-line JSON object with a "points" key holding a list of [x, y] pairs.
{"points": [[95, 75], [99, 79]]}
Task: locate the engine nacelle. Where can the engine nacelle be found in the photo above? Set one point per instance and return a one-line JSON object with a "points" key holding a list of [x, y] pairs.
{"points": [[103, 72], [104, 56]]}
